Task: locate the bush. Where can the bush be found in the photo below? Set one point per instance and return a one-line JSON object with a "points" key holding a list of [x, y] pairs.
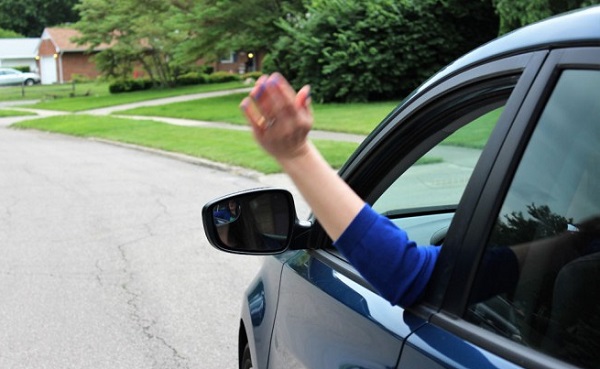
{"points": [[191, 78], [253, 75], [24, 69], [353, 50], [130, 85], [220, 77]]}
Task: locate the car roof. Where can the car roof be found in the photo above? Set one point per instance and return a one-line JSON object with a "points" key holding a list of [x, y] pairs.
{"points": [[576, 28]]}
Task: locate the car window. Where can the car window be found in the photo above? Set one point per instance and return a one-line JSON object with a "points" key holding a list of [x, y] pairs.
{"points": [[434, 184], [539, 280]]}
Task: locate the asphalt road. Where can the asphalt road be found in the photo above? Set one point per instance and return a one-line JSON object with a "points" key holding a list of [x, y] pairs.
{"points": [[104, 261]]}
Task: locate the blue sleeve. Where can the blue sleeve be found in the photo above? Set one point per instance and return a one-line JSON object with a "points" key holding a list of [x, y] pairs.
{"points": [[386, 258]]}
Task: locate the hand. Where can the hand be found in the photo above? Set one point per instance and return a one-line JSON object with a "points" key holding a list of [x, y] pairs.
{"points": [[280, 118]]}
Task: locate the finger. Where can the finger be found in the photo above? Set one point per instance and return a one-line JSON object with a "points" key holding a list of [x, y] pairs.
{"points": [[278, 97], [303, 99], [253, 115], [259, 88]]}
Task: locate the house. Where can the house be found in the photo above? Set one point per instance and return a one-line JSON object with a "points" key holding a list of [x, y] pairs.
{"points": [[239, 62], [19, 52], [60, 58]]}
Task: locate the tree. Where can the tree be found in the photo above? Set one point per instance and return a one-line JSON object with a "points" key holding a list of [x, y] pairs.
{"points": [[214, 28], [351, 50], [9, 34], [541, 222], [137, 32], [32, 16], [517, 13]]}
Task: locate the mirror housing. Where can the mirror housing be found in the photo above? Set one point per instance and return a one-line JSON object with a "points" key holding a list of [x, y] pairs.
{"points": [[253, 222]]}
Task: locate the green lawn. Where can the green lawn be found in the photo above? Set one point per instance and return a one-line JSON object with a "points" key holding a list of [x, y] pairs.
{"points": [[50, 92], [103, 98], [359, 118], [13, 113], [475, 134], [220, 145]]}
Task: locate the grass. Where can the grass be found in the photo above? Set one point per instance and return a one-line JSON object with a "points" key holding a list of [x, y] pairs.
{"points": [[475, 134], [13, 113], [358, 118], [48, 92], [104, 99], [220, 145]]}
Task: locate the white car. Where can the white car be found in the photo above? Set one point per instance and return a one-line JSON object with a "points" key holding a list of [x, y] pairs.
{"points": [[10, 76]]}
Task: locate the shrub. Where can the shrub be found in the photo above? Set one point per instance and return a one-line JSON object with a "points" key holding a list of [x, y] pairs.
{"points": [[220, 77], [130, 85], [253, 75], [191, 78], [23, 69], [354, 50]]}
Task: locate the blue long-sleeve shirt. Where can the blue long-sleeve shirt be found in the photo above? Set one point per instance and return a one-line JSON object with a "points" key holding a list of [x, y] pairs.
{"points": [[400, 269], [385, 256]]}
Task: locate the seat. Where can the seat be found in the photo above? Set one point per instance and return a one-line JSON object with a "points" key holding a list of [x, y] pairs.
{"points": [[574, 328]]}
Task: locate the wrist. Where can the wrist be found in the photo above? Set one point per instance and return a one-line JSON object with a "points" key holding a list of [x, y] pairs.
{"points": [[300, 159]]}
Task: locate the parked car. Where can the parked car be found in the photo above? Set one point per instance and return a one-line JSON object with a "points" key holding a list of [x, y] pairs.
{"points": [[10, 76], [530, 103]]}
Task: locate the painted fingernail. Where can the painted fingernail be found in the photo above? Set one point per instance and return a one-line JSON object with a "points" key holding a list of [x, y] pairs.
{"points": [[274, 79], [259, 91]]}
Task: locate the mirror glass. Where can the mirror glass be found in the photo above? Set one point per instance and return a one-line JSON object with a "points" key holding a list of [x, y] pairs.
{"points": [[258, 222]]}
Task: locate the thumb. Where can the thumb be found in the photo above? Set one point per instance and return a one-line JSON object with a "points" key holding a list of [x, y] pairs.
{"points": [[303, 99]]}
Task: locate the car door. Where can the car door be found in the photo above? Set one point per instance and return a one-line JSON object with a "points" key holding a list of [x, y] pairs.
{"points": [[540, 205], [328, 316]]}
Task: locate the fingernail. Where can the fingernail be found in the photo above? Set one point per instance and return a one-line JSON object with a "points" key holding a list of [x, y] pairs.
{"points": [[259, 92], [274, 79], [244, 104]]}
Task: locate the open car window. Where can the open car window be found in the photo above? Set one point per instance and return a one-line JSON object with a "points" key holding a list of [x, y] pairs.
{"points": [[423, 199]]}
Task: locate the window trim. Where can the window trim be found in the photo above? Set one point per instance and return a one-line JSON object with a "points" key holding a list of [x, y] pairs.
{"points": [[360, 168], [480, 224]]}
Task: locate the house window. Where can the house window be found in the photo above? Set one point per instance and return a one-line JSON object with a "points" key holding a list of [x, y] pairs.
{"points": [[231, 58]]}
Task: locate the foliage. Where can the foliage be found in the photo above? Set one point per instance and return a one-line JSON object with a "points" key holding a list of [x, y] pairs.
{"points": [[130, 85], [220, 77], [138, 34], [516, 13], [251, 75], [541, 223], [350, 50], [5, 33], [191, 78], [212, 28], [23, 68], [30, 17]]}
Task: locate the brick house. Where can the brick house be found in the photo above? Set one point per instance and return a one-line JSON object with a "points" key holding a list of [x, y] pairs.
{"points": [[59, 58], [239, 62]]}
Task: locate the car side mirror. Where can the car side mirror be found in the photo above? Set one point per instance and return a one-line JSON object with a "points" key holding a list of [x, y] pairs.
{"points": [[252, 222]]}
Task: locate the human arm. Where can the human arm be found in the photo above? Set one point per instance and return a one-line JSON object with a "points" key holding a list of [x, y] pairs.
{"points": [[379, 250], [332, 201]]}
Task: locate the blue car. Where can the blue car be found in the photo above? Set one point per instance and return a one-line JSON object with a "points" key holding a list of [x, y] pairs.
{"points": [[529, 102]]}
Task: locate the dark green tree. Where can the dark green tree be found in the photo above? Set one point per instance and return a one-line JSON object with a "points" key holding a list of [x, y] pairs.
{"points": [[30, 17], [214, 28], [352, 50], [516, 13], [517, 228], [9, 34], [137, 32]]}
